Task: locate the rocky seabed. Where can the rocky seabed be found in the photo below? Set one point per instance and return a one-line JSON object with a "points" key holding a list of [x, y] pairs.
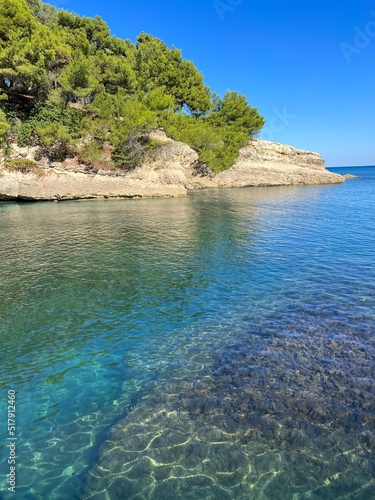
{"points": [[267, 415]]}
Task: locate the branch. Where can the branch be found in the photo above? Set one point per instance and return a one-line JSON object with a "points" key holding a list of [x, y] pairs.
{"points": [[17, 94]]}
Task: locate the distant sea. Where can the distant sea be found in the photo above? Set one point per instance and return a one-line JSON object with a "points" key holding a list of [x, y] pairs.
{"points": [[218, 346], [360, 171]]}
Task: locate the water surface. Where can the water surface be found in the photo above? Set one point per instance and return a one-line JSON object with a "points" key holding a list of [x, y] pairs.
{"points": [[214, 346]]}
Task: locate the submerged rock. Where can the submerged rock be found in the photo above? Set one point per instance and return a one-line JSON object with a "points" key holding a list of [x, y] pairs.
{"points": [[263, 415]]}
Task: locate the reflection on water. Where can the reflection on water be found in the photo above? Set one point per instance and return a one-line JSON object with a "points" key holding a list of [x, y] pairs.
{"points": [[218, 346]]}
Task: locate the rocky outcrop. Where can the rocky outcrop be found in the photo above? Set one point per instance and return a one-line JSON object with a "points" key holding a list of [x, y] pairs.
{"points": [[74, 185], [264, 163], [259, 151], [171, 172]]}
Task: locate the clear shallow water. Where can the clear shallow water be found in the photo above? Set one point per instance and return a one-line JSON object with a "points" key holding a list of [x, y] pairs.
{"points": [[214, 346]]}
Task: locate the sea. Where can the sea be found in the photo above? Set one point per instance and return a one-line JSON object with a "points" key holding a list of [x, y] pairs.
{"points": [[214, 346]]}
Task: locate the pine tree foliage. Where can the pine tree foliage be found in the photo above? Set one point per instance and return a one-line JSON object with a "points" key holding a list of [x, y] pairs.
{"points": [[69, 86]]}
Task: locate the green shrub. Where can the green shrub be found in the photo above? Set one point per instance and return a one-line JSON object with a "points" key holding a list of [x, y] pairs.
{"points": [[133, 150], [90, 153], [217, 146], [56, 140], [4, 125], [20, 164], [26, 131], [93, 155], [49, 118]]}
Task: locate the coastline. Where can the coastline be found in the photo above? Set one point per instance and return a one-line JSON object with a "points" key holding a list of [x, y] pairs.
{"points": [[171, 172]]}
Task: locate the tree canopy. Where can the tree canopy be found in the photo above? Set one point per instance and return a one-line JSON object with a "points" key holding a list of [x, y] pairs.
{"points": [[68, 85]]}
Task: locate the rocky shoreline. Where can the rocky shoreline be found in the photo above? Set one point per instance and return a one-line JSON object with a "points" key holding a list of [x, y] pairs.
{"points": [[172, 172]]}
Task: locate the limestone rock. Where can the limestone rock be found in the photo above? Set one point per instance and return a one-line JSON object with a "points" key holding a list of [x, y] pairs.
{"points": [[75, 185], [259, 151], [171, 171], [264, 163]]}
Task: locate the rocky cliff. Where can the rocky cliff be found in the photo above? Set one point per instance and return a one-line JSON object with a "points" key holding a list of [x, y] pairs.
{"points": [[172, 172]]}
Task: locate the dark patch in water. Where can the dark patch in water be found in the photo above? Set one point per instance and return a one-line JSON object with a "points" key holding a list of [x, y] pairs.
{"points": [[280, 411]]}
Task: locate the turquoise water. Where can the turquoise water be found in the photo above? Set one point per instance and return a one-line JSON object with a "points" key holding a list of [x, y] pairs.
{"points": [[215, 346]]}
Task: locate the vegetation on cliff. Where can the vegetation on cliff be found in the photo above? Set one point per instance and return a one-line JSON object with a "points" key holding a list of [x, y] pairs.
{"points": [[71, 88]]}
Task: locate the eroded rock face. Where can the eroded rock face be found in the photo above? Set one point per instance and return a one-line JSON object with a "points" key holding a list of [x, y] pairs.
{"points": [[264, 163], [259, 151], [171, 172], [74, 186]]}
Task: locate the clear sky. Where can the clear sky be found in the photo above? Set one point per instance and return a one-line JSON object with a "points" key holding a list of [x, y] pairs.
{"points": [[307, 65]]}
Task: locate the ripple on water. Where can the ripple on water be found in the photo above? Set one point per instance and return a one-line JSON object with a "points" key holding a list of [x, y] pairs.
{"points": [[267, 416], [230, 335]]}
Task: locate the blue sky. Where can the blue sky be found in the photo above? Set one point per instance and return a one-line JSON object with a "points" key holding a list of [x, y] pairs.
{"points": [[309, 66]]}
